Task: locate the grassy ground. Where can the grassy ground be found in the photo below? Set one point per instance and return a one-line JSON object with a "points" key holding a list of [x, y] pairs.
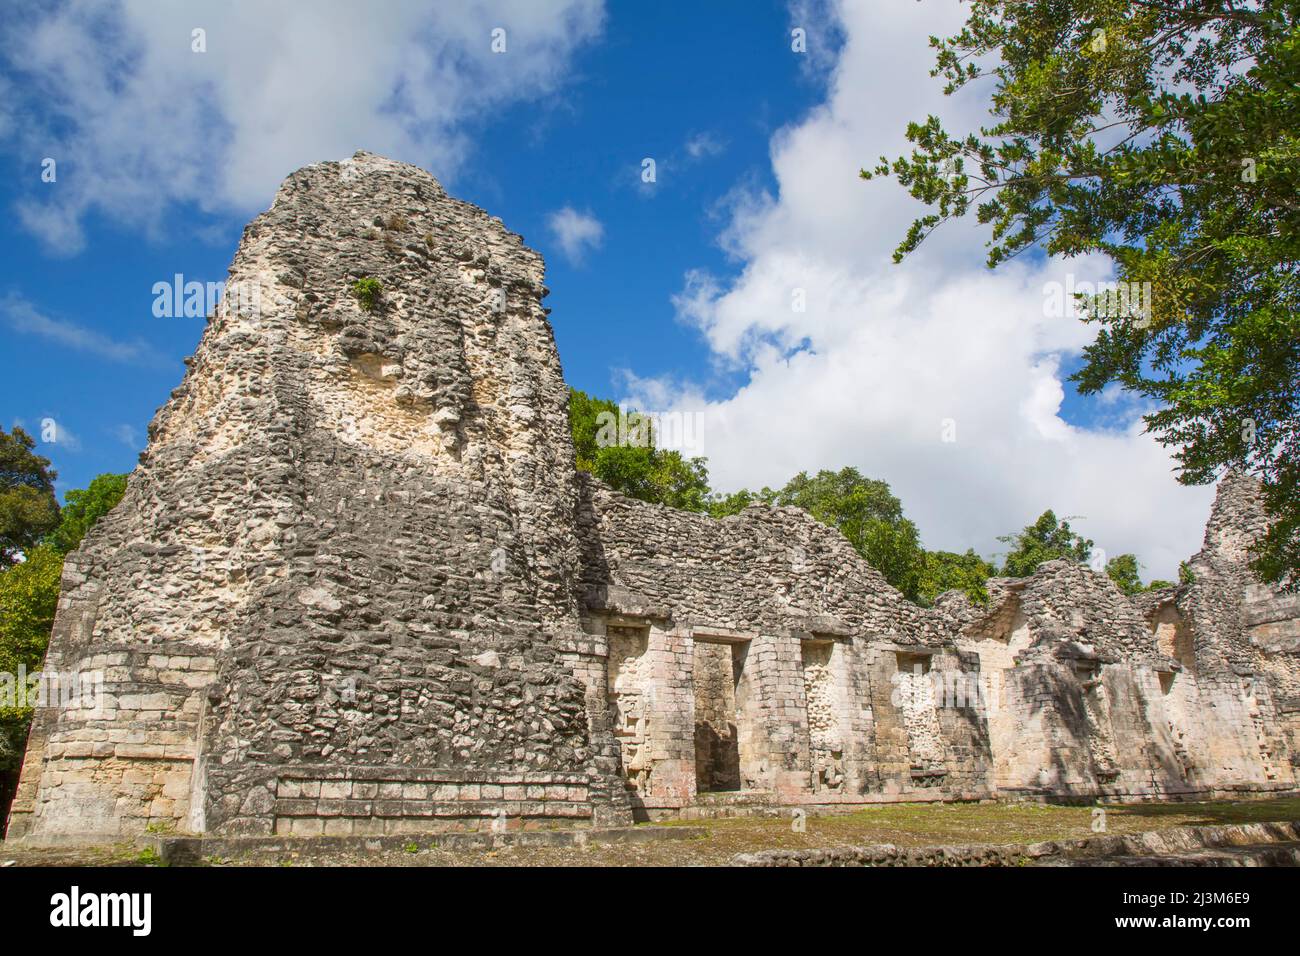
{"points": [[907, 824]]}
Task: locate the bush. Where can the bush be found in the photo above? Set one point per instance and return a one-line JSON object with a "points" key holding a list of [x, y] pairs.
{"points": [[29, 593], [368, 292], [82, 508]]}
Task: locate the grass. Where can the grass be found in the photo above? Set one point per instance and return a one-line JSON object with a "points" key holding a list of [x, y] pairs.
{"points": [[148, 857], [904, 824]]}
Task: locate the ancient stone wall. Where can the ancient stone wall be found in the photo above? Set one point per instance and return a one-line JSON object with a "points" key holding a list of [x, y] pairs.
{"points": [[356, 586], [1059, 686], [1246, 642], [825, 712], [348, 557]]}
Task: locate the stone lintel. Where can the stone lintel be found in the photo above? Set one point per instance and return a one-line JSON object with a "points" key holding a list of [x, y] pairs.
{"points": [[820, 627], [722, 635], [622, 601], [921, 650]]}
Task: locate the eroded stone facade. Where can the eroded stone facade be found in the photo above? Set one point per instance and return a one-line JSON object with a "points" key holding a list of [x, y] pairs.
{"points": [[357, 586], [1059, 687]]}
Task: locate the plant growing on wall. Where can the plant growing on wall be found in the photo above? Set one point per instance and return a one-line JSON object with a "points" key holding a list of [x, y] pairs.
{"points": [[368, 291]]}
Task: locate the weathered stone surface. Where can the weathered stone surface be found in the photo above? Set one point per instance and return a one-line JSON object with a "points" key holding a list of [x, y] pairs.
{"points": [[1061, 686], [357, 588], [357, 527], [1268, 844]]}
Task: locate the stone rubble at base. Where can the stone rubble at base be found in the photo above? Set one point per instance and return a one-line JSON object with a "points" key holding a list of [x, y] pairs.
{"points": [[357, 587]]}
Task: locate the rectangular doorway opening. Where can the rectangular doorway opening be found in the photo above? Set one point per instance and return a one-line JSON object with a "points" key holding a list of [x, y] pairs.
{"points": [[716, 672]]}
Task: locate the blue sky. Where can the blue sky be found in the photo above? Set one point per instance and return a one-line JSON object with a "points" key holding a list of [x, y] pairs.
{"points": [[679, 298], [648, 88]]}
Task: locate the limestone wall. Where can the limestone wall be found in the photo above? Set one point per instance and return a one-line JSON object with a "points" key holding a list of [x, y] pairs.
{"points": [[807, 621], [350, 544], [1059, 687]]}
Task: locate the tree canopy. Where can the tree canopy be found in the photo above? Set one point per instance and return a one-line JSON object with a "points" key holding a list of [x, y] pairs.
{"points": [[619, 448], [1163, 134], [28, 507], [83, 507], [947, 571], [1047, 539], [1124, 571], [29, 594]]}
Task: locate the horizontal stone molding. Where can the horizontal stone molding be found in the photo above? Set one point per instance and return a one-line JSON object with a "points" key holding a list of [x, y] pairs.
{"points": [[408, 775], [453, 809]]}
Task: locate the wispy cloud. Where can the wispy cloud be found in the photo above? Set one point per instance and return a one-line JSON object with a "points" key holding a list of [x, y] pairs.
{"points": [[61, 435], [575, 232], [703, 145], [697, 148], [128, 435], [24, 318], [50, 432]]}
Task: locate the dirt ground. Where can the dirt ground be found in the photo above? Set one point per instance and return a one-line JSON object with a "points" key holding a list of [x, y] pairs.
{"points": [[901, 824]]}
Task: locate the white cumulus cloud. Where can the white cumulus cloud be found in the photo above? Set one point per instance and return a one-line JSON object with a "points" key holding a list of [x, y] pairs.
{"points": [[138, 121], [851, 360]]}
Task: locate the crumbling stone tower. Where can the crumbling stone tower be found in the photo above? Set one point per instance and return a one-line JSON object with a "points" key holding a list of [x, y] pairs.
{"points": [[340, 592]]}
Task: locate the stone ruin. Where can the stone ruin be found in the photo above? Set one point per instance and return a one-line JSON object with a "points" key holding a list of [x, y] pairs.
{"points": [[357, 586]]}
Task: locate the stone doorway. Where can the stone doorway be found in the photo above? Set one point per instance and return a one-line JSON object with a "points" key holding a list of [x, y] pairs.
{"points": [[717, 669], [1180, 691]]}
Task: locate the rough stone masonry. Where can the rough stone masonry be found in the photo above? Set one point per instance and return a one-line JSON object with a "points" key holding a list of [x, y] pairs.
{"points": [[356, 586]]}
